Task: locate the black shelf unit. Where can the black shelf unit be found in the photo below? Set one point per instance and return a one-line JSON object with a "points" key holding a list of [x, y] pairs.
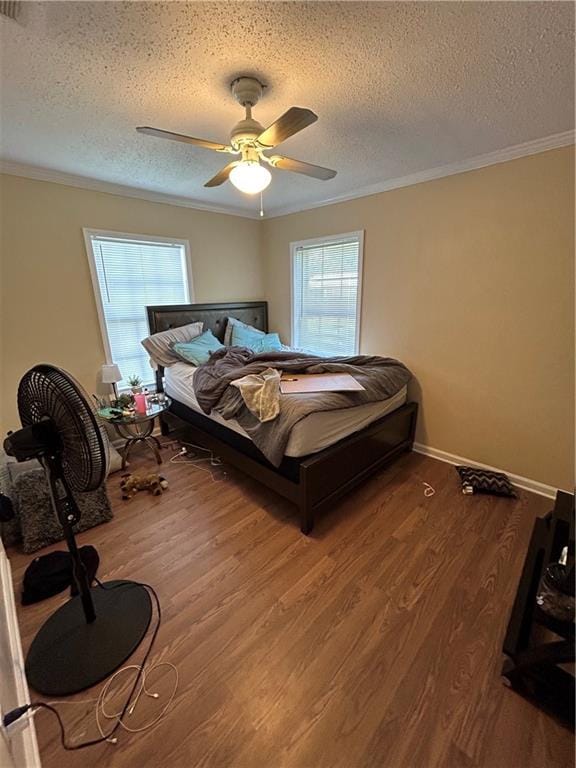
{"points": [[532, 667]]}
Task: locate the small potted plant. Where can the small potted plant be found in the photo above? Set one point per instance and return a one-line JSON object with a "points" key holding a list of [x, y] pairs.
{"points": [[125, 401], [135, 384]]}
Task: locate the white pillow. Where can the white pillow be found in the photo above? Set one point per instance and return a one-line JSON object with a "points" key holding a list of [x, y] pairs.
{"points": [[158, 345]]}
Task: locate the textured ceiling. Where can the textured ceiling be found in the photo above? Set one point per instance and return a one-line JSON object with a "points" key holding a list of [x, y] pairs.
{"points": [[399, 87]]}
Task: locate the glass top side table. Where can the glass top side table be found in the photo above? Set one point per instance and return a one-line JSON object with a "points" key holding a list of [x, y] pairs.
{"points": [[137, 428]]}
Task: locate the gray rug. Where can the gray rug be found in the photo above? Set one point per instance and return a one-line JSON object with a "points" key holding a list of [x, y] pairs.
{"points": [[35, 519]]}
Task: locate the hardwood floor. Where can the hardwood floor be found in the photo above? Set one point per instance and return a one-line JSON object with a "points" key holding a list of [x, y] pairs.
{"points": [[375, 643]]}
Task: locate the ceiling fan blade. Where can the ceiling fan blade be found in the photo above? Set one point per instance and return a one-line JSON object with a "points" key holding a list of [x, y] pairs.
{"points": [[186, 139], [292, 121], [221, 176], [297, 166]]}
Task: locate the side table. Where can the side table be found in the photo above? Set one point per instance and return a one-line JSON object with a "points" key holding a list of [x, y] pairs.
{"points": [[138, 428]]}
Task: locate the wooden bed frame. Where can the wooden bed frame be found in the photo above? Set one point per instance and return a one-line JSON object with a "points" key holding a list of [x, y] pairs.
{"points": [[312, 482]]}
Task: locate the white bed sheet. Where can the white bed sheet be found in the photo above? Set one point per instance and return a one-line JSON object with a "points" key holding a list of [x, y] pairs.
{"points": [[314, 433]]}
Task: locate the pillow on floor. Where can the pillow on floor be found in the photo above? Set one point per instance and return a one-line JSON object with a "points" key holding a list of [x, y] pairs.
{"points": [[476, 480]]}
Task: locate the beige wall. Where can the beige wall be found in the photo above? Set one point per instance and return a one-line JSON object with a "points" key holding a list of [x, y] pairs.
{"points": [[470, 281], [48, 312]]}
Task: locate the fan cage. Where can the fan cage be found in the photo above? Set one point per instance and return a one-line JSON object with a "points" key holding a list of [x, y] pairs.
{"points": [[48, 392]]}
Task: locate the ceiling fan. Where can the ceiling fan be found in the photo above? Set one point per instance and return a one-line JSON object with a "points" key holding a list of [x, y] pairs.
{"points": [[250, 141]]}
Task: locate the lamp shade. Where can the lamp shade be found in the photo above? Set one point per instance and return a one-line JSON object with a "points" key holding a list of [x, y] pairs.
{"points": [[250, 177], [111, 374]]}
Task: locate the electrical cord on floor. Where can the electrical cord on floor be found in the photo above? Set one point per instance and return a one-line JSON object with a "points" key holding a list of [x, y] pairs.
{"points": [[185, 457], [128, 708], [428, 490]]}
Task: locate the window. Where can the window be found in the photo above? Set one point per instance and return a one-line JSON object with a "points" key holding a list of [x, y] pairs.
{"points": [[130, 272], [326, 288]]}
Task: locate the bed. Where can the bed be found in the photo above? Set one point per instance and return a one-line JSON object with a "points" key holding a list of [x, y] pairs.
{"points": [[328, 453]]}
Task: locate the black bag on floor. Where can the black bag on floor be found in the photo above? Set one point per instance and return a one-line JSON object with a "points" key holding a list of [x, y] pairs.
{"points": [[50, 574]]}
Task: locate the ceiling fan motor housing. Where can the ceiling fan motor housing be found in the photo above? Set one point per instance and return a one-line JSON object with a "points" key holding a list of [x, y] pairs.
{"points": [[247, 91], [245, 132]]}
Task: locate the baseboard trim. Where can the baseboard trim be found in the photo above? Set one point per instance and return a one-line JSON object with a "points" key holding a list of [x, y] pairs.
{"points": [[517, 480]]}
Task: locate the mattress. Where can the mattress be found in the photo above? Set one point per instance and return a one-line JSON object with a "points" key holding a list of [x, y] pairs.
{"points": [[314, 433]]}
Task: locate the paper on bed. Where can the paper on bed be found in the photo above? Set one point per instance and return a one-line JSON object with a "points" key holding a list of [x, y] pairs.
{"points": [[319, 382]]}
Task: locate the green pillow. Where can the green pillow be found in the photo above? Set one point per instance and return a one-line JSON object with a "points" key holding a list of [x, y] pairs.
{"points": [[198, 350]]}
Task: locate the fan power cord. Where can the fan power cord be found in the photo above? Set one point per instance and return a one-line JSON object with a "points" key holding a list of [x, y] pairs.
{"points": [[138, 687]]}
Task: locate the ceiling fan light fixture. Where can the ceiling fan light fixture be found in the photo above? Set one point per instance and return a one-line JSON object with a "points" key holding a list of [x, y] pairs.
{"points": [[250, 177]]}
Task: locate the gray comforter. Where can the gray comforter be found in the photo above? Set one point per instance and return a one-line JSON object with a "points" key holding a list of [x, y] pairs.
{"points": [[381, 377]]}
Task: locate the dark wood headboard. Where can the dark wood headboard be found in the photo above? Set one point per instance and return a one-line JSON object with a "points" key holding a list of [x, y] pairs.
{"points": [[163, 317]]}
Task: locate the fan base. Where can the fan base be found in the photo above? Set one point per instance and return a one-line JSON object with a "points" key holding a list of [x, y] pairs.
{"points": [[68, 655]]}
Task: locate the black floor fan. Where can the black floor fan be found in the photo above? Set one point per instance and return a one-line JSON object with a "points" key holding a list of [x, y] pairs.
{"points": [[92, 634]]}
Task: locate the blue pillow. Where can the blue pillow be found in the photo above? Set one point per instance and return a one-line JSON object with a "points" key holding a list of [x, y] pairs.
{"points": [[233, 322], [257, 341], [268, 343], [198, 350], [245, 336]]}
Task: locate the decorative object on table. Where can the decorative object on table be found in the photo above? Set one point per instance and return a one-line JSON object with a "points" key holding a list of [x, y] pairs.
{"points": [[94, 633], [153, 483], [111, 375], [476, 480], [125, 401], [101, 402], [121, 408], [135, 384], [136, 427], [556, 594], [52, 573], [140, 403]]}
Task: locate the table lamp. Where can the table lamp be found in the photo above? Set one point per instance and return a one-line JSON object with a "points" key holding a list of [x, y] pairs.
{"points": [[110, 375]]}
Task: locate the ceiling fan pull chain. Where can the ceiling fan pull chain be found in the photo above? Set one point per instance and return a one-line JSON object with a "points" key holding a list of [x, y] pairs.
{"points": [[261, 204]]}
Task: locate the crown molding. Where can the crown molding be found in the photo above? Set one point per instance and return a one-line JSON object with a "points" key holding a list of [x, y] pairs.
{"points": [[84, 182], [555, 141]]}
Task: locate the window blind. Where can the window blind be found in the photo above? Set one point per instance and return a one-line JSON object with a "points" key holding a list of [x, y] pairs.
{"points": [[132, 274], [326, 296]]}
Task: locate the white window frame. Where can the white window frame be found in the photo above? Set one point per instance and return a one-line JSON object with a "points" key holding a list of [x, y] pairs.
{"points": [[328, 240], [90, 233]]}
